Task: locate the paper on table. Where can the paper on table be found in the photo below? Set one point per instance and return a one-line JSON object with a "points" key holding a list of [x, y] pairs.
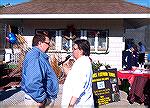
{"points": [[128, 71], [138, 71]]}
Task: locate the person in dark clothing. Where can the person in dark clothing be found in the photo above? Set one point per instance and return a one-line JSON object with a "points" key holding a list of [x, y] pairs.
{"points": [[127, 58], [141, 58], [134, 50]]}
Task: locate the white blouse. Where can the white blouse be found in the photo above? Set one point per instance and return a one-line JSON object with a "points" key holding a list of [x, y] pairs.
{"points": [[79, 84]]}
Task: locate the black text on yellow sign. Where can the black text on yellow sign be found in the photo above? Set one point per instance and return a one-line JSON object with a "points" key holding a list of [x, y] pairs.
{"points": [[103, 100], [103, 74]]}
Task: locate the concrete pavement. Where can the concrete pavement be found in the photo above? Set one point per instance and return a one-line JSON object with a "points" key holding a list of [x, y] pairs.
{"points": [[13, 98]]}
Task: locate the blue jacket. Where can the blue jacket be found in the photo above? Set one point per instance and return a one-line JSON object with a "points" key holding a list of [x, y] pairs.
{"points": [[38, 78]]}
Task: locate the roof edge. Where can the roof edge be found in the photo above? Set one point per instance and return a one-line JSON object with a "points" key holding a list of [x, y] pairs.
{"points": [[71, 16]]}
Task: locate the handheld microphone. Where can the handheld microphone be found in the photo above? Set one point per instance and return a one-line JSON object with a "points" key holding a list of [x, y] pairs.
{"points": [[60, 63]]}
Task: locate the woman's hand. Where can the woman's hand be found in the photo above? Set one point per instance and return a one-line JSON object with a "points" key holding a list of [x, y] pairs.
{"points": [[68, 65], [66, 68]]}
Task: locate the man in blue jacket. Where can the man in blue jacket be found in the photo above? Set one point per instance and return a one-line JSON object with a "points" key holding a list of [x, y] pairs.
{"points": [[39, 81]]}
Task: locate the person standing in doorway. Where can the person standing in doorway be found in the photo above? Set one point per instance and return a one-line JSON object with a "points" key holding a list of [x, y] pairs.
{"points": [[77, 88], [141, 58], [39, 81]]}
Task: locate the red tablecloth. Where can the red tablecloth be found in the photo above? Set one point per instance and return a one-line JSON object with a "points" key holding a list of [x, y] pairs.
{"points": [[137, 79], [130, 75]]}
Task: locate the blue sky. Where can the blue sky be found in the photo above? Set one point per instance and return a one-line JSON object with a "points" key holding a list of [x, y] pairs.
{"points": [[13, 2], [141, 2]]}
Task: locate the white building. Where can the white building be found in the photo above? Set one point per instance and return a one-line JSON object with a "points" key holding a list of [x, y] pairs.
{"points": [[103, 23]]}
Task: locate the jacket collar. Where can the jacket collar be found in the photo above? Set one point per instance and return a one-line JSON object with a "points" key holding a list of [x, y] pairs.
{"points": [[41, 53]]}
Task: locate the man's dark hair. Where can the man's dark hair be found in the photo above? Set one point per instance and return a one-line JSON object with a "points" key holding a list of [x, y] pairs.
{"points": [[83, 45], [39, 38], [140, 43]]}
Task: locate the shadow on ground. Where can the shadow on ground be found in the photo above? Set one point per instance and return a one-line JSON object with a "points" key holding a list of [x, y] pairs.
{"points": [[7, 80], [8, 93]]}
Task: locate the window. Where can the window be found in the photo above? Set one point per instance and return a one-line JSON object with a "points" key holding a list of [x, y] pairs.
{"points": [[98, 39], [91, 38], [102, 39], [68, 38], [63, 40]]}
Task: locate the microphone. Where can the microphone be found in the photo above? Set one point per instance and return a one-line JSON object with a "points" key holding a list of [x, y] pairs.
{"points": [[60, 63]]}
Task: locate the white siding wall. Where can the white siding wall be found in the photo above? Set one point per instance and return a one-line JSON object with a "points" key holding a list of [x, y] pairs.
{"points": [[114, 57], [28, 39]]}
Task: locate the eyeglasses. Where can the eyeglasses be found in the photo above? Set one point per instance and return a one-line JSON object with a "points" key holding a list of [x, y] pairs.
{"points": [[74, 49], [48, 43]]}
